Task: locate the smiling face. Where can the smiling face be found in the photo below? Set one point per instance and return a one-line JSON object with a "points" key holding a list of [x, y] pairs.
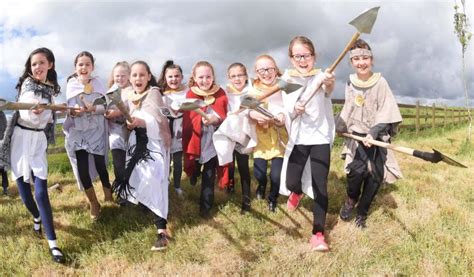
{"points": [[203, 77], [266, 70], [40, 66], [84, 68], [121, 76], [139, 77], [174, 78], [238, 77], [363, 66], [302, 58]]}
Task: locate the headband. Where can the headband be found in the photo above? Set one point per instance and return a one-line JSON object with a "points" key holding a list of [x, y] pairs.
{"points": [[360, 52]]}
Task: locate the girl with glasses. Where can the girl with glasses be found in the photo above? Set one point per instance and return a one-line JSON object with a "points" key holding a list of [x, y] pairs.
{"points": [[311, 131], [271, 133]]}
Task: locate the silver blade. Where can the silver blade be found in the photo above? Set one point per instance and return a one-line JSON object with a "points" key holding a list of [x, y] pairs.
{"points": [[365, 21]]}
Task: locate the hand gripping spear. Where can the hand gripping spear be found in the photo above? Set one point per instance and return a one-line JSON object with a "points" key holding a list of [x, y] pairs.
{"points": [[114, 97], [191, 104], [280, 85], [363, 23], [435, 157]]}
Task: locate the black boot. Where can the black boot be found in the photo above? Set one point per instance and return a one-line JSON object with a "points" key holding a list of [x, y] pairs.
{"points": [[347, 209], [360, 221], [260, 193]]}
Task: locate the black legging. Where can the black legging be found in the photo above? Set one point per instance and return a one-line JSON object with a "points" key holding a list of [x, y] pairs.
{"points": [[320, 156], [244, 172], [208, 180], [4, 174], [82, 157], [361, 178], [177, 168], [260, 173], [118, 157], [159, 222]]}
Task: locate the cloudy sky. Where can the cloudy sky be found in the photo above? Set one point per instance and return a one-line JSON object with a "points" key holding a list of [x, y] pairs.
{"points": [[413, 40]]}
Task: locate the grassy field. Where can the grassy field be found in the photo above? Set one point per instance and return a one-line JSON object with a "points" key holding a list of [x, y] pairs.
{"points": [[420, 226]]}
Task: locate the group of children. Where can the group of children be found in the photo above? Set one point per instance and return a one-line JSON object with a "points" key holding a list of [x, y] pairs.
{"points": [[292, 133]]}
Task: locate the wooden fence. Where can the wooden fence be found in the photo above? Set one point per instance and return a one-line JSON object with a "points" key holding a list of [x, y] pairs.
{"points": [[418, 117], [415, 117]]}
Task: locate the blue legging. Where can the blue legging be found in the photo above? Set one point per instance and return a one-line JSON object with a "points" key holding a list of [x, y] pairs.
{"points": [[42, 198]]}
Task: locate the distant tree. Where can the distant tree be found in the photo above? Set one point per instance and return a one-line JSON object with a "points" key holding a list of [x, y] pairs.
{"points": [[461, 28]]}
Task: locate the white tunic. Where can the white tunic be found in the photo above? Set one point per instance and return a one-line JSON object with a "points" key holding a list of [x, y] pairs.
{"points": [[118, 132], [314, 127], [28, 148], [150, 178], [172, 100], [86, 132]]}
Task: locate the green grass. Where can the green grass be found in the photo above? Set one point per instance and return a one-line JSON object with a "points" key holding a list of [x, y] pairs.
{"points": [[420, 226]]}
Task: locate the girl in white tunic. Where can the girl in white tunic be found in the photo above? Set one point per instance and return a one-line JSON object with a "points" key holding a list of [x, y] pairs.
{"points": [[238, 87], [170, 83], [38, 84], [118, 132], [146, 174], [311, 133], [86, 131]]}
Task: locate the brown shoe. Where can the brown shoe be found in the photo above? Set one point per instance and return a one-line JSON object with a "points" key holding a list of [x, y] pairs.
{"points": [[161, 243], [108, 194], [94, 203]]}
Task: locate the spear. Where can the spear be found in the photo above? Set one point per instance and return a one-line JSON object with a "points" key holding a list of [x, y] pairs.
{"points": [[434, 157], [7, 105], [363, 23]]}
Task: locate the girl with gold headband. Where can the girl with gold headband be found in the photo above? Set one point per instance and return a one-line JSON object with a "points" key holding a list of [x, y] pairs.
{"points": [[171, 84], [146, 174], [307, 155], [370, 110], [271, 133], [198, 129]]}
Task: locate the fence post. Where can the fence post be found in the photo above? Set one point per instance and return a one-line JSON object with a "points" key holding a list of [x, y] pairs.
{"points": [[417, 119], [433, 119], [445, 116], [452, 117]]}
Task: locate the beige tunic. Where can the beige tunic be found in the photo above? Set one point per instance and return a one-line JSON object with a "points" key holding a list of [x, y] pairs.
{"points": [[366, 106]]}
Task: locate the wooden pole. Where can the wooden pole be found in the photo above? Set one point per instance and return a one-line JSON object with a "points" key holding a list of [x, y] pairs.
{"points": [[417, 119]]}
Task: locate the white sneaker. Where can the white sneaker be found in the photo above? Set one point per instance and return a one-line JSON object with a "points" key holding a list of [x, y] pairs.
{"points": [[179, 191]]}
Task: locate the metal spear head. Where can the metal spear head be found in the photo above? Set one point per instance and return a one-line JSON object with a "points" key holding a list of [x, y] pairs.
{"points": [[442, 157], [191, 104], [249, 102], [365, 21], [288, 87], [114, 95]]}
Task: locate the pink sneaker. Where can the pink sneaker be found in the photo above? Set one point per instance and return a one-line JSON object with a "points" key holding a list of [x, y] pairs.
{"points": [[318, 243], [294, 201]]}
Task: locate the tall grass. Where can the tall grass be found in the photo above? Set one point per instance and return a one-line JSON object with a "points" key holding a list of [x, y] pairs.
{"points": [[422, 225]]}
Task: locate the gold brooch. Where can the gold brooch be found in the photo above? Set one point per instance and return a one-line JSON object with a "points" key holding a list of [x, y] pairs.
{"points": [[359, 100], [88, 88], [209, 100]]}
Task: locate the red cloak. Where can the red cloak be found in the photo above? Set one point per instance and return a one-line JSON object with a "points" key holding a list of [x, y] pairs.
{"points": [[192, 132]]}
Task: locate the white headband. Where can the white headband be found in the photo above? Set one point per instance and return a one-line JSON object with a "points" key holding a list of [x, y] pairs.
{"points": [[360, 52]]}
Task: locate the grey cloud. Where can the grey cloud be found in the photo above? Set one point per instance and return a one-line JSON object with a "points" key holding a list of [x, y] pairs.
{"points": [[413, 42]]}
